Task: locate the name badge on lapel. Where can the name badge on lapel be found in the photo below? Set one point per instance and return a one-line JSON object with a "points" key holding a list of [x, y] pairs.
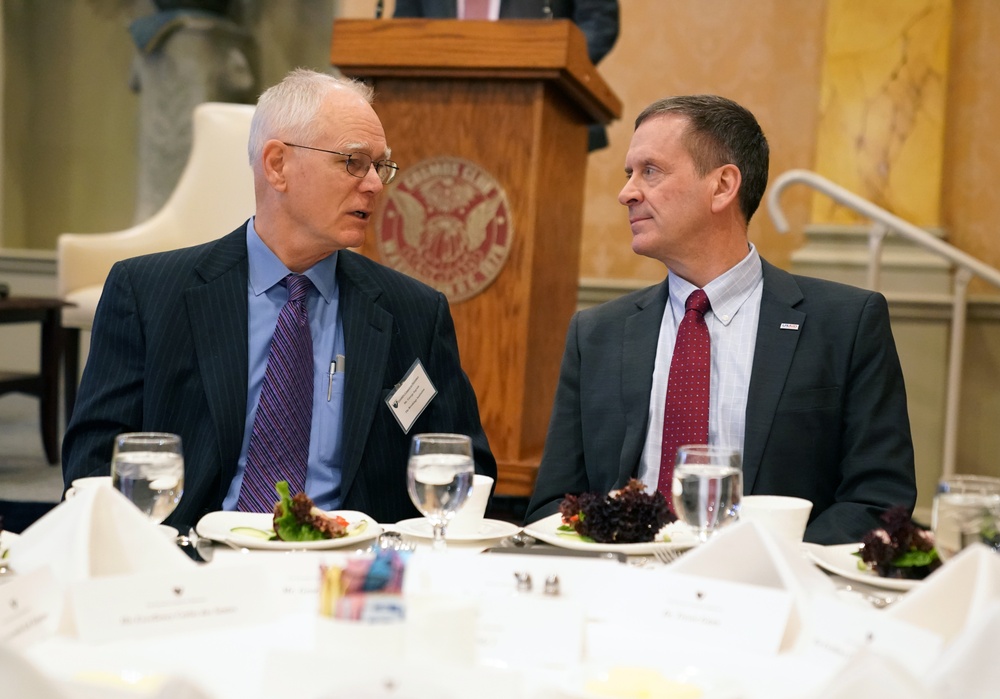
{"points": [[411, 396]]}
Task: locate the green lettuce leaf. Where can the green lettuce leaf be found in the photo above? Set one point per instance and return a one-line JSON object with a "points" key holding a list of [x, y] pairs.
{"points": [[286, 525]]}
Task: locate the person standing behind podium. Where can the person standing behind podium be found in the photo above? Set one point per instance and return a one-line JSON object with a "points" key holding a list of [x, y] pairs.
{"points": [[803, 375], [597, 19], [181, 339]]}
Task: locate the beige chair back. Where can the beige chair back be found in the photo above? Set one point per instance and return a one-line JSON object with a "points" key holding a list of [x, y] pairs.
{"points": [[213, 196]]}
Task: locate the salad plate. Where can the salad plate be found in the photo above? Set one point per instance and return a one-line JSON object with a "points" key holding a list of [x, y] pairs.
{"points": [[547, 530], [839, 559], [237, 528], [422, 528]]}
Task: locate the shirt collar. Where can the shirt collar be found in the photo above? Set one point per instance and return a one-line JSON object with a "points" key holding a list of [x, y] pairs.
{"points": [[266, 269], [727, 293]]}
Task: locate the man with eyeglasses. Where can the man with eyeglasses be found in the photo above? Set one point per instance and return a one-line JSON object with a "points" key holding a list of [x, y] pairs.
{"points": [[182, 340]]}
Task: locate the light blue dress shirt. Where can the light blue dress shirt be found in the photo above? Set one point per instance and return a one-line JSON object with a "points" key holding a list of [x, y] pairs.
{"points": [[732, 326], [265, 297]]}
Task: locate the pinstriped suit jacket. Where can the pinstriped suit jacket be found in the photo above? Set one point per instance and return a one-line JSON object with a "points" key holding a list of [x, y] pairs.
{"points": [[169, 353], [826, 415]]}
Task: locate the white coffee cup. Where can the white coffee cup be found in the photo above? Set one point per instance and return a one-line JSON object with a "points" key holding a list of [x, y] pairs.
{"points": [[79, 484], [469, 519], [782, 515]]}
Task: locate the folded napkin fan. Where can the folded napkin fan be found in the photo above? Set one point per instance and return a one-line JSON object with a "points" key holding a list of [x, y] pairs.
{"points": [[746, 552], [868, 675], [954, 595], [968, 668], [97, 533], [22, 679]]}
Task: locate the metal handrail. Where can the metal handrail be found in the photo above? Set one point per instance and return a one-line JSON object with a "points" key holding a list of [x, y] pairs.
{"points": [[884, 223]]}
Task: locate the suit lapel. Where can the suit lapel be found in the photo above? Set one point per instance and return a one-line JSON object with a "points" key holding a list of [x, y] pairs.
{"points": [[771, 362], [640, 336], [368, 332], [217, 310]]}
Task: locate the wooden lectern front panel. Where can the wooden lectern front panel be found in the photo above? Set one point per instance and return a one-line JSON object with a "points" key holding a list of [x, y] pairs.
{"points": [[532, 141]]}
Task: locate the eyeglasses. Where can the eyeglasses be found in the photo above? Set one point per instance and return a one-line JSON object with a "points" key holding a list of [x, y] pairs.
{"points": [[358, 164]]}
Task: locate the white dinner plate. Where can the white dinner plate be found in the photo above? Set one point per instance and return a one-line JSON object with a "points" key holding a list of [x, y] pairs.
{"points": [[219, 526], [840, 560], [547, 530], [422, 528]]}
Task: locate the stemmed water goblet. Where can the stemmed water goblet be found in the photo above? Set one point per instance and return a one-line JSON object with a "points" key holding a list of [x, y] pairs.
{"points": [[439, 478], [148, 469], [707, 487]]}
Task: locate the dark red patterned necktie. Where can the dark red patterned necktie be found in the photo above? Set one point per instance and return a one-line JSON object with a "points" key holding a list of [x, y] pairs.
{"points": [[685, 415], [279, 442]]}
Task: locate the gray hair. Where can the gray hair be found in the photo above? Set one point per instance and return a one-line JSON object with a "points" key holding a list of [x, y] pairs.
{"points": [[288, 110], [721, 132]]}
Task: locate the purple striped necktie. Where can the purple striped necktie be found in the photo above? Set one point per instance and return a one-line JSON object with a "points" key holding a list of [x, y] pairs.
{"points": [[279, 442]]}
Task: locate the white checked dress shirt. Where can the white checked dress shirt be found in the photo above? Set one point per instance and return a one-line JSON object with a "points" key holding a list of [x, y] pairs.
{"points": [[732, 325]]}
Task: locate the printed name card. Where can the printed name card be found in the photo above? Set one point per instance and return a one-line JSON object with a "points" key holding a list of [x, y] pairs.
{"points": [[149, 604], [841, 629], [506, 635], [30, 606], [295, 576], [685, 609]]}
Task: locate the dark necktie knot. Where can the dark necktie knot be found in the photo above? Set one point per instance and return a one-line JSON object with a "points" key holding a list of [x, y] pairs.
{"points": [[698, 302], [298, 286]]}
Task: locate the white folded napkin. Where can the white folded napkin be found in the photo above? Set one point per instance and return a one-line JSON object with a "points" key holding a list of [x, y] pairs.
{"points": [[868, 675], [19, 678], [746, 552], [953, 596], [968, 669], [97, 533]]}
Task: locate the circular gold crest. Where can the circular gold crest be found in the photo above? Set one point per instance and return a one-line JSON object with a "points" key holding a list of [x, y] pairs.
{"points": [[447, 223]]}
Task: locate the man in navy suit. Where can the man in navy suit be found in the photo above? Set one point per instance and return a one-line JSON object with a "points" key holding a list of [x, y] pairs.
{"points": [[804, 380], [597, 19], [180, 340]]}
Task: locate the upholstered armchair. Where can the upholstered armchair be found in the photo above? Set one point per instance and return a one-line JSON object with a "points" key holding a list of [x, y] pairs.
{"points": [[213, 196]]}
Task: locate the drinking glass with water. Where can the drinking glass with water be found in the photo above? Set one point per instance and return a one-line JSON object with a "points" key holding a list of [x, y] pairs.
{"points": [[148, 469], [439, 478], [966, 510], [707, 487]]}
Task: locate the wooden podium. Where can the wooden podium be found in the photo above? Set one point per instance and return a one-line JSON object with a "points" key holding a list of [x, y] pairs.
{"points": [[514, 98]]}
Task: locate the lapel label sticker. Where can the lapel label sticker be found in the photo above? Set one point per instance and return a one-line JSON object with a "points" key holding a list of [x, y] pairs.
{"points": [[789, 326], [411, 396]]}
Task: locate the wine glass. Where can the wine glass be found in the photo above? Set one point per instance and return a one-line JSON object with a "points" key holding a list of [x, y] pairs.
{"points": [[148, 469], [707, 487], [966, 510], [439, 478]]}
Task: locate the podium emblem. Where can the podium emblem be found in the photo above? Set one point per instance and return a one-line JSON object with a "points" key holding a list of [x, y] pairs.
{"points": [[446, 221]]}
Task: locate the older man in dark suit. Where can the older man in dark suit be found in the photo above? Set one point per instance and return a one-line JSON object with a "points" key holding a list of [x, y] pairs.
{"points": [[804, 377], [181, 339]]}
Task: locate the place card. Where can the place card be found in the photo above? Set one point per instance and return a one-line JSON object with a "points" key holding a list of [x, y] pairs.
{"points": [[682, 609], [294, 574], [840, 629], [512, 593], [30, 607], [507, 636], [149, 604]]}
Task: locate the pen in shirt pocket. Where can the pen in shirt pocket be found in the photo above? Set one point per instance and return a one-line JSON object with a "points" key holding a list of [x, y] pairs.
{"points": [[337, 365]]}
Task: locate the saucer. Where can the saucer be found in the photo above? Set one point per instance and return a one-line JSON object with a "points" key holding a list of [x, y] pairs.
{"points": [[422, 528]]}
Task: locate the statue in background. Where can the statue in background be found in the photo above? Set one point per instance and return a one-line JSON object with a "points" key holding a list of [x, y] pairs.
{"points": [[189, 52]]}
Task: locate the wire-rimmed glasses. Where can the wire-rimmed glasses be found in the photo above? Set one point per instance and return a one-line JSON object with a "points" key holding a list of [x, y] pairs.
{"points": [[358, 164]]}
